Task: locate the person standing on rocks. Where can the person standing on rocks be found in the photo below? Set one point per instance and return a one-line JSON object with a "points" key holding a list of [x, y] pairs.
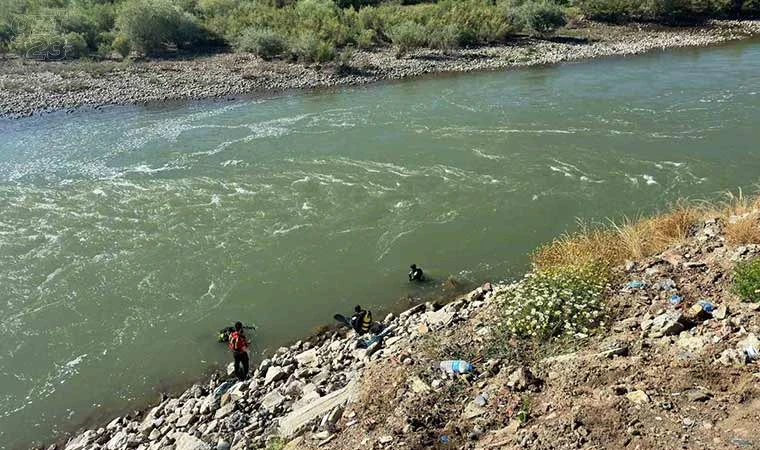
{"points": [[238, 344], [415, 273]]}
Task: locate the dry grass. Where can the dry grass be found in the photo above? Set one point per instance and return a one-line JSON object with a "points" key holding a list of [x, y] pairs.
{"points": [[738, 204], [613, 243], [744, 231]]}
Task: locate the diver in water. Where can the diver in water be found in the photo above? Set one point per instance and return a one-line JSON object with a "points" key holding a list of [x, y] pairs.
{"points": [[224, 333], [415, 273]]}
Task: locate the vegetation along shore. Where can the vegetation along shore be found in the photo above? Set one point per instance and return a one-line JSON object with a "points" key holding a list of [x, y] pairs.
{"points": [[68, 54], [641, 334]]}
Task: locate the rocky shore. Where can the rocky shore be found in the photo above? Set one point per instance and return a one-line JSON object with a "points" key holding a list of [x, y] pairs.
{"points": [[301, 388], [30, 87], [664, 372]]}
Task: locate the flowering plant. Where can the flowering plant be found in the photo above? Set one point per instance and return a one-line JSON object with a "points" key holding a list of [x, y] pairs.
{"points": [[563, 300]]}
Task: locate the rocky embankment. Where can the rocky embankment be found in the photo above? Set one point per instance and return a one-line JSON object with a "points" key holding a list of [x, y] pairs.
{"points": [[304, 387], [30, 87], [663, 372]]}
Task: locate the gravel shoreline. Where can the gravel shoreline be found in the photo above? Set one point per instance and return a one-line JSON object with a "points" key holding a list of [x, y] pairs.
{"points": [[30, 87], [300, 388]]}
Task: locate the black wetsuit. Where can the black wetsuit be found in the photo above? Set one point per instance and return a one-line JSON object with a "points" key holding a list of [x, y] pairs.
{"points": [[361, 321], [241, 365], [416, 275]]}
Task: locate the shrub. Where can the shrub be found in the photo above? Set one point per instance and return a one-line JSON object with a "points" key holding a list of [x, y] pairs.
{"points": [[539, 16], [564, 300], [477, 21], [323, 19], [309, 49], [76, 45], [407, 36], [151, 24], [77, 22], [445, 38], [46, 46], [264, 43], [749, 7], [615, 11], [747, 280], [121, 45], [366, 39]]}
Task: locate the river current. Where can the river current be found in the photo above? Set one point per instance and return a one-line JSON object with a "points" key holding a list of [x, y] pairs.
{"points": [[129, 235]]}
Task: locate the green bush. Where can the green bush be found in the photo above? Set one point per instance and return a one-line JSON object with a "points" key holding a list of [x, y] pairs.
{"points": [[264, 43], [615, 11], [121, 45], [445, 38], [366, 39], [407, 36], [539, 16], [309, 49], [749, 7], [322, 19], [551, 303], [149, 25], [76, 45], [747, 280], [477, 21], [664, 11]]}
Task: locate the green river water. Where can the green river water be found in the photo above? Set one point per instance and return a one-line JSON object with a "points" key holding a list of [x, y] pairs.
{"points": [[128, 236]]}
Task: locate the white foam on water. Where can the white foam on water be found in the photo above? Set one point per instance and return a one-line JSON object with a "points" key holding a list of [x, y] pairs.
{"points": [[564, 172], [649, 179], [485, 155], [283, 230]]}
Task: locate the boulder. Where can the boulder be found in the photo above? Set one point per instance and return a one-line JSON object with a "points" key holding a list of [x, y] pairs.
{"points": [[272, 400], [442, 317], [185, 441], [308, 358], [186, 420], [224, 411], [521, 379], [118, 441], [274, 374], [638, 397], [473, 410], [672, 257], [294, 422], [666, 324], [690, 343], [418, 386], [731, 357], [721, 312]]}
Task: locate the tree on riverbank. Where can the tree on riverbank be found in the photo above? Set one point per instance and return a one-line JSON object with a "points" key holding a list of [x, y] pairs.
{"points": [[310, 30]]}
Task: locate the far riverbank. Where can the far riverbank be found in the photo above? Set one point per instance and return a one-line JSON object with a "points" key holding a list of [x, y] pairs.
{"points": [[31, 87]]}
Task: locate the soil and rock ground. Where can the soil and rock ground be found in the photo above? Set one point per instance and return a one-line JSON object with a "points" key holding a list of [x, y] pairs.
{"points": [[29, 87], [661, 372]]}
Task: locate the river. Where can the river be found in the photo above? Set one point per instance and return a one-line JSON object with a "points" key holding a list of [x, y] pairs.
{"points": [[128, 236]]}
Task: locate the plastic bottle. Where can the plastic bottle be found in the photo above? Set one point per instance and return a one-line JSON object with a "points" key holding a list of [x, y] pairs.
{"points": [[456, 366], [706, 306]]}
